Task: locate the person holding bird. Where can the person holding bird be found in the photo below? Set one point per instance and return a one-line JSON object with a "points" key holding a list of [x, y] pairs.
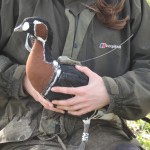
{"points": [[75, 62]]}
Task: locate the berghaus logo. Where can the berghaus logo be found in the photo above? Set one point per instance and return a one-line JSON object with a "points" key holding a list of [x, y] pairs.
{"points": [[105, 45]]}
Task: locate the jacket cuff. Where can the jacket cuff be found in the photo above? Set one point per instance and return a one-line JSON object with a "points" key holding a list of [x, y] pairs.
{"points": [[113, 91]]}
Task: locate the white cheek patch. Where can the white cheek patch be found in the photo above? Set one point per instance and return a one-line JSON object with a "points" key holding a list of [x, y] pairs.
{"points": [[25, 26], [36, 22]]}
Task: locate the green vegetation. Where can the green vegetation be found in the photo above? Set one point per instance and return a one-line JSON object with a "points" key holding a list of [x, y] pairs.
{"points": [[142, 131], [148, 2]]}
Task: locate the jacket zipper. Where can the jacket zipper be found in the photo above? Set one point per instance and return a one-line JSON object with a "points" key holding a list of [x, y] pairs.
{"points": [[75, 31]]}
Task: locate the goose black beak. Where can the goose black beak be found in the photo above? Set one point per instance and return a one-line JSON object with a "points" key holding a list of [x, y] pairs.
{"points": [[18, 28]]}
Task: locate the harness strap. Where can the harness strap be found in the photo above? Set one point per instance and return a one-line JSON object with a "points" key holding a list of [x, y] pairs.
{"points": [[61, 143]]}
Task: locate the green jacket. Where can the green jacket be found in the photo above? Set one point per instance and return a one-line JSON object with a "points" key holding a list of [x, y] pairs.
{"points": [[125, 70]]}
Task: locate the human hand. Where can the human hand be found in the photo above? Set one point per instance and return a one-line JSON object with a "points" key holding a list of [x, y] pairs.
{"points": [[87, 98], [38, 97]]}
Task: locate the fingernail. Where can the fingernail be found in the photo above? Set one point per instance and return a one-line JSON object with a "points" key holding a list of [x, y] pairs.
{"points": [[53, 102], [52, 89], [78, 66], [63, 112]]}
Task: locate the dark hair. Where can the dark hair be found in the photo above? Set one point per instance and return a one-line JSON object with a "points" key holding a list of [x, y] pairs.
{"points": [[108, 13]]}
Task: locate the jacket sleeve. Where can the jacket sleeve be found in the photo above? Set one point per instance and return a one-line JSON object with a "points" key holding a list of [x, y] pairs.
{"points": [[11, 73], [130, 93]]}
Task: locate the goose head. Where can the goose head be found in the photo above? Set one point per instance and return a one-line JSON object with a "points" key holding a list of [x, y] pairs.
{"points": [[40, 30]]}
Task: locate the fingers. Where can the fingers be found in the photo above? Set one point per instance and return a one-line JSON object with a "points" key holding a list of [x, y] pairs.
{"points": [[77, 110], [57, 110], [38, 97], [67, 90], [46, 104], [73, 107], [69, 102], [80, 112], [85, 70]]}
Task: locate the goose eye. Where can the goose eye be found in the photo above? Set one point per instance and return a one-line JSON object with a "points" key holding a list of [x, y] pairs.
{"points": [[25, 26]]}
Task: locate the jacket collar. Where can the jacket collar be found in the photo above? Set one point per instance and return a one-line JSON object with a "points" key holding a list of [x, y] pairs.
{"points": [[76, 6]]}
